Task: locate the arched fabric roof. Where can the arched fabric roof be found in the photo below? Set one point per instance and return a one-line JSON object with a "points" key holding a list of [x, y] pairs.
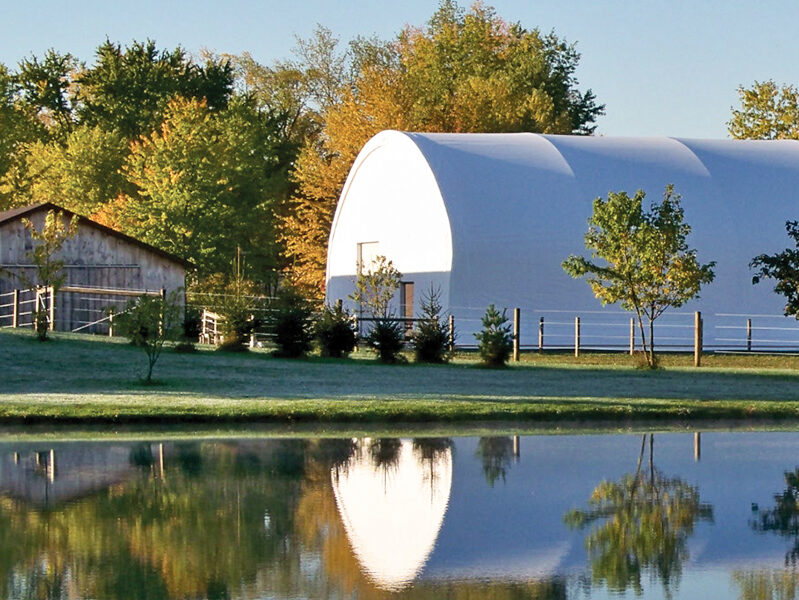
{"points": [[488, 218]]}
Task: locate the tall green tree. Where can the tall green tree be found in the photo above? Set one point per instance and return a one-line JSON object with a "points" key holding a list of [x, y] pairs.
{"points": [[205, 187], [647, 265], [82, 174], [767, 112], [127, 90], [45, 86], [19, 126]]}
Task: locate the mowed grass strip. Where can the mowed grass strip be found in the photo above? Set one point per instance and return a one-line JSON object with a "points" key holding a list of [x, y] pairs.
{"points": [[94, 379]]}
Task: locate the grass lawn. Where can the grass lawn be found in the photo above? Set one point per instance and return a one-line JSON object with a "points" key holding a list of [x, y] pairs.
{"points": [[91, 379]]}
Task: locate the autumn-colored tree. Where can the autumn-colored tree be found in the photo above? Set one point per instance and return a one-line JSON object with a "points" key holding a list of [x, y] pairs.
{"points": [[466, 71]]}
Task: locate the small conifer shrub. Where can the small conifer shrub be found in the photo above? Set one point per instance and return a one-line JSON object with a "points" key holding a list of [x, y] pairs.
{"points": [[495, 341]]}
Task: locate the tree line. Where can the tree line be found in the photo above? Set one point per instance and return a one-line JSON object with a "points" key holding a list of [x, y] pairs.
{"points": [[215, 156]]}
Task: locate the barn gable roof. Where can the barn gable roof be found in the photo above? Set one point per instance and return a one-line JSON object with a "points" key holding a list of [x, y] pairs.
{"points": [[23, 211]]}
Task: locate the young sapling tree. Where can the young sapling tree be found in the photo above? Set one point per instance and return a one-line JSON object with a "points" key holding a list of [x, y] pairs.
{"points": [[49, 270], [647, 266], [149, 322]]}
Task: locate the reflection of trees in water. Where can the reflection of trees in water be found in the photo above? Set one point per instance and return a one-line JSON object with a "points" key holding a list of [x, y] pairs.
{"points": [[248, 519], [430, 452], [765, 584], [208, 529], [783, 519], [333, 453], [496, 454], [643, 524], [385, 452]]}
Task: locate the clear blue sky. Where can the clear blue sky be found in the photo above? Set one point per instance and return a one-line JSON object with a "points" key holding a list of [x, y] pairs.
{"points": [[662, 68]]}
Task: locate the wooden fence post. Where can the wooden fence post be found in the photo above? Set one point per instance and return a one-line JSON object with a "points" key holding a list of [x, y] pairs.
{"points": [[749, 335], [697, 339], [541, 334], [15, 313], [36, 303], [111, 322], [51, 295], [576, 337], [161, 320], [516, 330], [632, 336], [451, 334]]}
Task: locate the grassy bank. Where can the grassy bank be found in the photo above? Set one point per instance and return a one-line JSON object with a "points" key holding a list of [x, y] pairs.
{"points": [[83, 379]]}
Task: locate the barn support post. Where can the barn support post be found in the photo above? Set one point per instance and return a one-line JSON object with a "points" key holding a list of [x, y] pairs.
{"points": [[51, 307], [517, 318], [698, 339], [749, 335], [541, 334], [15, 310], [576, 337], [451, 334]]}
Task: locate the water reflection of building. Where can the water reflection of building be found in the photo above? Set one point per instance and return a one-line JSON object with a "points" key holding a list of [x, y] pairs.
{"points": [[392, 511], [46, 475], [514, 530]]}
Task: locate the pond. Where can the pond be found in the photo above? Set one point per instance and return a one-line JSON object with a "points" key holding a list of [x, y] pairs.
{"points": [[664, 515]]}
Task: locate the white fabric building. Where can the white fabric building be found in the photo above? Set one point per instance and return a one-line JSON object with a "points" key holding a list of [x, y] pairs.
{"points": [[489, 218]]}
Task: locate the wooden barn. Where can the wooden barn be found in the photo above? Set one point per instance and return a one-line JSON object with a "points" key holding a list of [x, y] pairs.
{"points": [[103, 268]]}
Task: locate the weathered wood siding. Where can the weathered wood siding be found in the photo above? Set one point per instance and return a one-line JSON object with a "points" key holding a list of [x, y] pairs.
{"points": [[93, 258]]}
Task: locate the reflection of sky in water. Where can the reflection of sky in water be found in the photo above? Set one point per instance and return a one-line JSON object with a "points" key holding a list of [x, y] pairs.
{"points": [[515, 531], [420, 528]]}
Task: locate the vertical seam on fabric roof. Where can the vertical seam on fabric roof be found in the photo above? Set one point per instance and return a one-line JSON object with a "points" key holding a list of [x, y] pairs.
{"points": [[412, 136], [555, 148], [694, 154]]}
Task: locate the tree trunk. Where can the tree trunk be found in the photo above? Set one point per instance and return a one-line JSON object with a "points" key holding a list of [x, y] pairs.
{"points": [[644, 345], [651, 360]]}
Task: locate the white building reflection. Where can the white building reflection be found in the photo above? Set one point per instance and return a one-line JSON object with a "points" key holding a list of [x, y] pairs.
{"points": [[393, 512]]}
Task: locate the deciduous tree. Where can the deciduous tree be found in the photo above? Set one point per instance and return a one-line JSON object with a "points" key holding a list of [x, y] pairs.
{"points": [[647, 264], [48, 266], [783, 267], [767, 112], [149, 322], [205, 187], [83, 174], [127, 90], [466, 71]]}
